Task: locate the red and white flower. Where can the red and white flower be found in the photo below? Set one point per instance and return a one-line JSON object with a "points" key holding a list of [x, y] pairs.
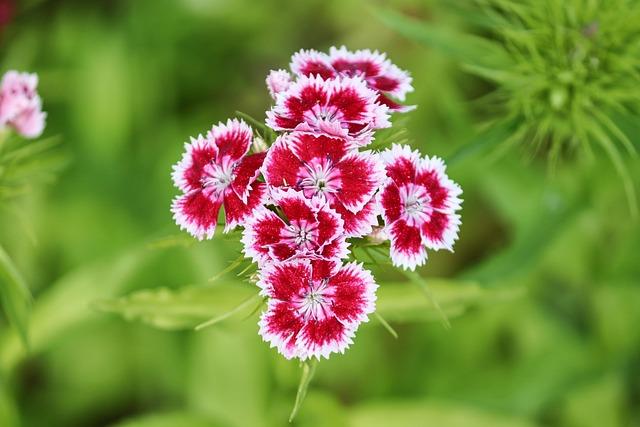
{"points": [[326, 167], [20, 104], [373, 67], [217, 171], [307, 228], [278, 81], [418, 205], [314, 309], [342, 107]]}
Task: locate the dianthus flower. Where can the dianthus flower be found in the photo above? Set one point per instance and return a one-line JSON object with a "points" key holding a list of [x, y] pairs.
{"points": [[342, 107], [278, 81], [418, 205], [20, 104], [324, 166], [306, 228], [373, 67], [314, 308], [217, 171]]}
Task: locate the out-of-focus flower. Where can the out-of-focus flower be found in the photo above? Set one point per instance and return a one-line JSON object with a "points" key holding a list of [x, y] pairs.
{"points": [[217, 171], [373, 67], [418, 205], [342, 107], [308, 228], [6, 12], [323, 166], [20, 104], [314, 308]]}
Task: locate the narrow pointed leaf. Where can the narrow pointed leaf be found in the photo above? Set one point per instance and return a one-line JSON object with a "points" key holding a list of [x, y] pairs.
{"points": [[462, 47], [183, 308], [15, 296]]}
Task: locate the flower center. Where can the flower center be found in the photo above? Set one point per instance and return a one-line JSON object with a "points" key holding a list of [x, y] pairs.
{"points": [[217, 177], [320, 178], [301, 234], [315, 301], [416, 204], [324, 117]]}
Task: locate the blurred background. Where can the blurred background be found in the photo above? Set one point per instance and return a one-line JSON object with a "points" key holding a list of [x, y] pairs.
{"points": [[542, 293]]}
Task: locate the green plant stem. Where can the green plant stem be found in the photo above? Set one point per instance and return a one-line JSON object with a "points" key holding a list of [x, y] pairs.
{"points": [[420, 282], [228, 314], [308, 371], [234, 264], [386, 325]]}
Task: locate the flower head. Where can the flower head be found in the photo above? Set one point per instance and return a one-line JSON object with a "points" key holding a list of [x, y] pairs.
{"points": [[314, 308], [278, 81], [373, 67], [327, 167], [418, 205], [217, 171], [307, 228], [20, 104], [342, 107]]}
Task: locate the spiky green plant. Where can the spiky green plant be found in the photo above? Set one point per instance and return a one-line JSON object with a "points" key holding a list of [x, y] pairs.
{"points": [[566, 72]]}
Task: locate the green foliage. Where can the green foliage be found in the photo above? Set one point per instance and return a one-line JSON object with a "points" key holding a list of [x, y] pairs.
{"points": [[184, 308], [14, 295], [403, 302], [565, 73], [24, 164], [409, 414], [175, 419], [541, 292]]}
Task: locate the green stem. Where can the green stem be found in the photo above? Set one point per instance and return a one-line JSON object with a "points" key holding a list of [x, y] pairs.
{"points": [[421, 283], [386, 325], [228, 314], [234, 264], [308, 370]]}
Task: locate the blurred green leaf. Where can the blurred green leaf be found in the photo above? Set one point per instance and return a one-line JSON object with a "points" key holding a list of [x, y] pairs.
{"points": [[402, 302], [67, 301], [9, 416], [486, 140], [596, 403], [23, 164], [229, 375], [184, 308], [174, 419], [428, 413], [15, 296], [462, 47]]}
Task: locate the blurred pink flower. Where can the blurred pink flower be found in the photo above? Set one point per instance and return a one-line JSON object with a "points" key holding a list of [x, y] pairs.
{"points": [[20, 104]]}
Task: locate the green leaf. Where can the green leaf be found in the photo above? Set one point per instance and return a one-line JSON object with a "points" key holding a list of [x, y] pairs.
{"points": [[183, 308], [402, 302], [428, 413], [173, 419], [15, 296], [612, 152], [529, 243], [483, 142], [9, 415], [66, 303], [463, 47]]}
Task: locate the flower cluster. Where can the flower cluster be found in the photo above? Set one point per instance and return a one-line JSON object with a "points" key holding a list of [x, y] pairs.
{"points": [[20, 104], [316, 192]]}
